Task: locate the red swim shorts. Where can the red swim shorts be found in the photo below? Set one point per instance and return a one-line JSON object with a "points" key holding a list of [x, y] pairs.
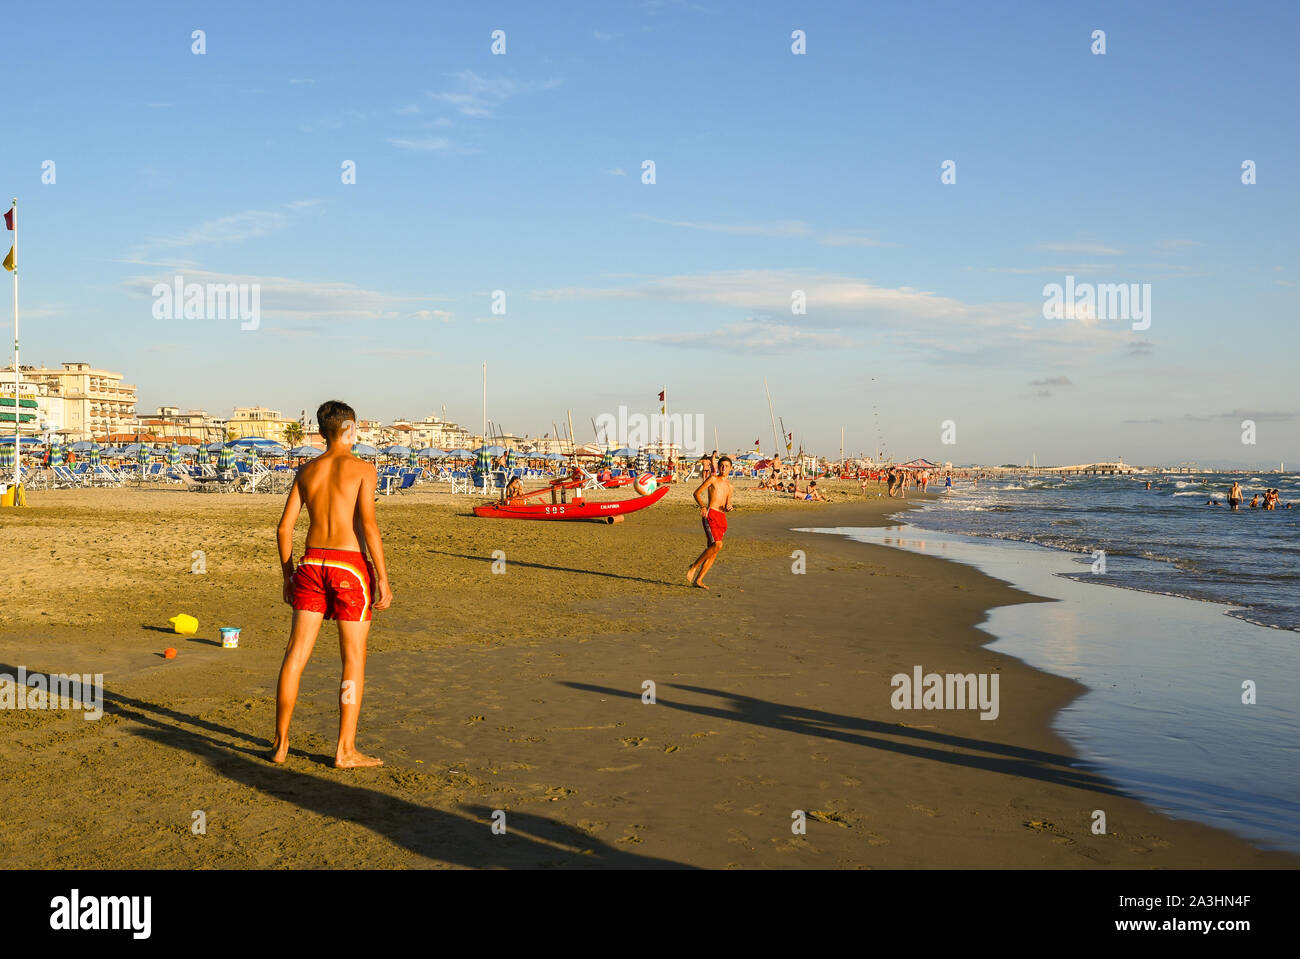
{"points": [[715, 526], [337, 582]]}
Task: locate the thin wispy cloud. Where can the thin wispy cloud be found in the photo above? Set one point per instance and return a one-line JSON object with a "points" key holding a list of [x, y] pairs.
{"points": [[298, 300], [479, 96], [922, 322], [1086, 249], [781, 228], [235, 228], [425, 144], [756, 335]]}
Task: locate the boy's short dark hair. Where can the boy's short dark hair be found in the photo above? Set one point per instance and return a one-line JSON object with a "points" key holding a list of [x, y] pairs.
{"points": [[725, 459], [331, 415]]}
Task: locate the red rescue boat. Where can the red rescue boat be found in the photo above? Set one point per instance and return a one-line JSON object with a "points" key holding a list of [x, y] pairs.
{"points": [[574, 509]]}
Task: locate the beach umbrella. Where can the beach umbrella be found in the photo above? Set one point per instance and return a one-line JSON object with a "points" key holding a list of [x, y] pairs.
{"points": [[304, 451], [7, 458], [173, 454], [226, 459], [482, 460], [607, 459], [460, 455], [216, 447], [364, 449], [94, 454], [396, 450], [81, 446], [431, 453], [260, 443], [56, 454], [412, 458], [625, 451], [510, 459]]}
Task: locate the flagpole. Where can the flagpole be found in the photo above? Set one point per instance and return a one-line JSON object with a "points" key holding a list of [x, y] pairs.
{"points": [[667, 435], [776, 451], [18, 376]]}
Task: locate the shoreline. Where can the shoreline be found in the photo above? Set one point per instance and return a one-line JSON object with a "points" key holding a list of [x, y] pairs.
{"points": [[524, 692]]}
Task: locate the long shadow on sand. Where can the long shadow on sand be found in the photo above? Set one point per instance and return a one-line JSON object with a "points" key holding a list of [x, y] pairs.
{"points": [[1005, 759], [559, 569], [467, 840]]}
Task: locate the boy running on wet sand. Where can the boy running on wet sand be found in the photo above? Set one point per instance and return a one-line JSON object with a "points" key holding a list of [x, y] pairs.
{"points": [[714, 499], [334, 580]]}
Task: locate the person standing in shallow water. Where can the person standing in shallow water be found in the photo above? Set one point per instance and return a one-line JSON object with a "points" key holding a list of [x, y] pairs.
{"points": [[1234, 496]]}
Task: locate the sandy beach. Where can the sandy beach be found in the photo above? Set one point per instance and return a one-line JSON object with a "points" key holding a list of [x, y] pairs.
{"points": [[522, 692]]}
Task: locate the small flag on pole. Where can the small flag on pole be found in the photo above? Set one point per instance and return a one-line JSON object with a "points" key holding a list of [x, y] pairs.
{"points": [[9, 260], [9, 218]]}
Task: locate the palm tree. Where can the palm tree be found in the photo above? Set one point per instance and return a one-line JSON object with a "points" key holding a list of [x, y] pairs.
{"points": [[293, 434]]}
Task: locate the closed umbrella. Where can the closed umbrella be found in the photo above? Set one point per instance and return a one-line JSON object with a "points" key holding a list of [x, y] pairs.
{"points": [[56, 454], [94, 454], [483, 460], [173, 454], [412, 459], [226, 459]]}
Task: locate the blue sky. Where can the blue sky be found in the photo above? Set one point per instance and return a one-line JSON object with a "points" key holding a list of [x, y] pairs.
{"points": [[774, 172]]}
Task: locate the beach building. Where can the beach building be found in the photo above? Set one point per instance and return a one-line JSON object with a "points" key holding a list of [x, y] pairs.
{"points": [[258, 421], [194, 426], [435, 431], [86, 402], [40, 410]]}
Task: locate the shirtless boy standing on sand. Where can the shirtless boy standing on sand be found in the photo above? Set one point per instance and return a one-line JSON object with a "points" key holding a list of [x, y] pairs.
{"points": [[334, 580], [714, 499]]}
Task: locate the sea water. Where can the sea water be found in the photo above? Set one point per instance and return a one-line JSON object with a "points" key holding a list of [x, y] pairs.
{"points": [[1162, 540]]}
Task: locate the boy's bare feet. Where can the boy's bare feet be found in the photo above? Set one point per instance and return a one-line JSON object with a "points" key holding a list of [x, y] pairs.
{"points": [[700, 584], [279, 752], [355, 760], [690, 576]]}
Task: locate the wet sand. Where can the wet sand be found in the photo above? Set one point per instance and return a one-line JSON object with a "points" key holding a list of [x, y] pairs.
{"points": [[522, 692]]}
